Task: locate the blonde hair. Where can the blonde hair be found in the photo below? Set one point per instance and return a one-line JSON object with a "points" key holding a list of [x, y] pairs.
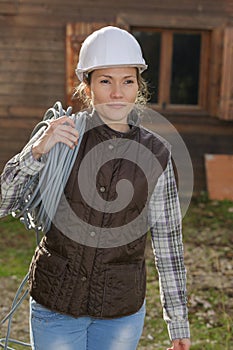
{"points": [[81, 94]]}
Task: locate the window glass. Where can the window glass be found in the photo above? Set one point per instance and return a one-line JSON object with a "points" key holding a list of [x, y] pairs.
{"points": [[185, 69], [150, 43]]}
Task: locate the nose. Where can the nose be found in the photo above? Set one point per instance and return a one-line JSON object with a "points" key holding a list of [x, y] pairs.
{"points": [[116, 91]]}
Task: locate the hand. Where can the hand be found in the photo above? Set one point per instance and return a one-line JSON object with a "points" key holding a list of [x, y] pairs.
{"points": [[180, 344], [59, 130]]}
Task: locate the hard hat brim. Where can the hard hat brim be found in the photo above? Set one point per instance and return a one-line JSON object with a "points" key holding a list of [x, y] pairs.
{"points": [[80, 72]]}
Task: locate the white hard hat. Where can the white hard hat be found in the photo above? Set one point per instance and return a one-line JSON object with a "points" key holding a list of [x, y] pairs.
{"points": [[109, 47]]}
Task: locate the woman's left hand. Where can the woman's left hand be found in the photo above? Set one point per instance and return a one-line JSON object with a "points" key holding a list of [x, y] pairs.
{"points": [[180, 344]]}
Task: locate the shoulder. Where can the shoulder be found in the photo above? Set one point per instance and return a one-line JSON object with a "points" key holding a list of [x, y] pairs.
{"points": [[159, 146], [155, 139]]}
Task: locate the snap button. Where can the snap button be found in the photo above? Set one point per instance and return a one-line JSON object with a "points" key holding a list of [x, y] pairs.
{"points": [[102, 189], [110, 147], [92, 234], [83, 278]]}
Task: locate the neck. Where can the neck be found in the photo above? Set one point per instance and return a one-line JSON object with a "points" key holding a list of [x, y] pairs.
{"points": [[119, 127]]}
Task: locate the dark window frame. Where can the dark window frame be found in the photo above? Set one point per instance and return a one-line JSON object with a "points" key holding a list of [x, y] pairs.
{"points": [[165, 68]]}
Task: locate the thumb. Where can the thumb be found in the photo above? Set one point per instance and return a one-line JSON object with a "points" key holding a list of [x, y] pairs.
{"points": [[175, 344]]}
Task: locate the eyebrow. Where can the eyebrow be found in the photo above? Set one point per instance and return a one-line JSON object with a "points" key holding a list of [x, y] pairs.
{"points": [[110, 76]]}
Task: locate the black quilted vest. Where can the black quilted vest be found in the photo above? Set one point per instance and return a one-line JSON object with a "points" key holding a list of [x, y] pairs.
{"points": [[78, 279]]}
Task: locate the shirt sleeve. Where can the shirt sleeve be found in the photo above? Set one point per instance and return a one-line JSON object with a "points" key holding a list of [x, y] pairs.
{"points": [[16, 175], [165, 222]]}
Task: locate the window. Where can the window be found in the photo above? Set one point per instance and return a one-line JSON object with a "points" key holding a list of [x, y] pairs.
{"points": [[176, 62], [151, 43], [185, 69]]}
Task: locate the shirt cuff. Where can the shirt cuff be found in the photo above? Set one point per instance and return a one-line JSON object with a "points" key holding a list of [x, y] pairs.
{"points": [[178, 330], [28, 164]]}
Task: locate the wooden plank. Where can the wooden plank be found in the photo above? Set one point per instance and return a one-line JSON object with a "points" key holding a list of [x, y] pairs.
{"points": [[32, 78], [30, 44], [29, 67], [11, 146], [145, 15], [33, 21], [204, 70], [33, 100], [219, 172], [172, 20], [22, 112], [80, 9], [11, 125], [165, 69], [36, 8], [215, 70], [30, 89], [39, 33], [14, 138], [35, 56], [9, 7], [226, 90], [4, 111], [193, 129], [204, 6]]}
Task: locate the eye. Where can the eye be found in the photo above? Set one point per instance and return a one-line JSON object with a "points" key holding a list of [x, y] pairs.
{"points": [[105, 81], [129, 81]]}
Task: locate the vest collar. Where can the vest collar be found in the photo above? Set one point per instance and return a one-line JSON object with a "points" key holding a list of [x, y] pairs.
{"points": [[133, 122]]}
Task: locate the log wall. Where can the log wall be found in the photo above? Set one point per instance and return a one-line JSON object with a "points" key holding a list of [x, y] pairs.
{"points": [[32, 65]]}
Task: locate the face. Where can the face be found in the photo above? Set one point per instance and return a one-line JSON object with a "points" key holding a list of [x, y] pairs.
{"points": [[113, 92]]}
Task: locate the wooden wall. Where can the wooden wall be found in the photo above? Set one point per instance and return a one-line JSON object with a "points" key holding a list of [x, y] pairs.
{"points": [[32, 65]]}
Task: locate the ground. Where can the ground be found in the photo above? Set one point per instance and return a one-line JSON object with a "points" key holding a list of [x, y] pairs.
{"points": [[208, 243]]}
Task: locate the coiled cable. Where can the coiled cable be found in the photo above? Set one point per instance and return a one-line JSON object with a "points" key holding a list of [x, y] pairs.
{"points": [[38, 206], [42, 193]]}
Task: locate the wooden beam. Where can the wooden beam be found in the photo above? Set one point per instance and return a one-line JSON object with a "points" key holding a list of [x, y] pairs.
{"points": [[9, 7], [226, 91], [172, 20], [204, 70], [165, 68]]}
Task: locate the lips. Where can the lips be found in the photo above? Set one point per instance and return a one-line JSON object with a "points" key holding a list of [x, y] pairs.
{"points": [[116, 105]]}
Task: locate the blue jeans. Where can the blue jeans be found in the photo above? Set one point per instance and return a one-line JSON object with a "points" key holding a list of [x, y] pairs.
{"points": [[50, 330]]}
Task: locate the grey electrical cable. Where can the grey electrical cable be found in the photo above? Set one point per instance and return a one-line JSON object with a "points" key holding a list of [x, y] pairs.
{"points": [[8, 317], [52, 179], [41, 195]]}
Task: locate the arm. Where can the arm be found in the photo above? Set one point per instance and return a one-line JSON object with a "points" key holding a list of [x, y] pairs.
{"points": [[165, 222], [21, 167], [15, 176]]}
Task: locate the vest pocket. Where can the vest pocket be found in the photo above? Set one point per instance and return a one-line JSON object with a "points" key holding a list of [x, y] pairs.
{"points": [[124, 289], [47, 272]]}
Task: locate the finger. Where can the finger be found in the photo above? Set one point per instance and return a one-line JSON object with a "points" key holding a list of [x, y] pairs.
{"points": [[62, 120], [64, 137], [59, 131], [175, 344], [69, 129], [68, 132], [67, 141]]}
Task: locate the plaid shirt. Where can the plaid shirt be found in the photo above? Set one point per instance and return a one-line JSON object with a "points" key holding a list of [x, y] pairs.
{"points": [[165, 232]]}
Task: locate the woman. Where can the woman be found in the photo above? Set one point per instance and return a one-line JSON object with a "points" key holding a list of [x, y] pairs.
{"points": [[90, 293]]}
